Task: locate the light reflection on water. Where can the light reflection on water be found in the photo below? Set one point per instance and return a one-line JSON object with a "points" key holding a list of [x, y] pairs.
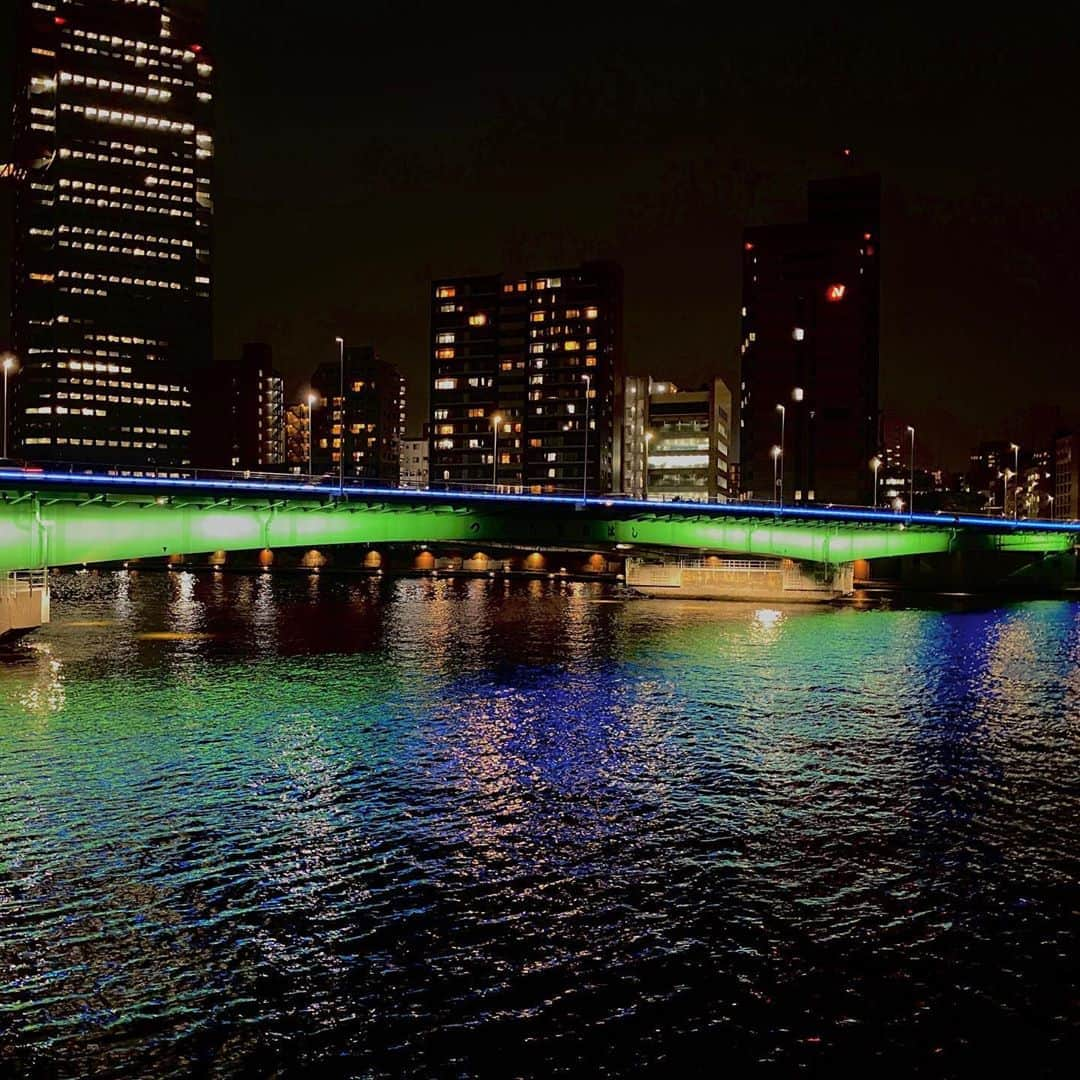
{"points": [[258, 823]]}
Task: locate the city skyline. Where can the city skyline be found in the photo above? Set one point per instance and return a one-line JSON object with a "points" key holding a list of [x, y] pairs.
{"points": [[976, 273]]}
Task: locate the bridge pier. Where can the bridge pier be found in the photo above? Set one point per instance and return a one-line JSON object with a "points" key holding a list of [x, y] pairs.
{"points": [[24, 602], [715, 577]]}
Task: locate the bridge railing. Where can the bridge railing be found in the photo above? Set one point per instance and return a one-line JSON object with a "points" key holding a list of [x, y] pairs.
{"points": [[332, 479], [21, 582]]}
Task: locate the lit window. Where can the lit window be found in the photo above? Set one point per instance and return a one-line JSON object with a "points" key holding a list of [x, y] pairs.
{"points": [[445, 339], [591, 313], [835, 292], [444, 354], [446, 384], [444, 292], [798, 333], [538, 316], [478, 320]]}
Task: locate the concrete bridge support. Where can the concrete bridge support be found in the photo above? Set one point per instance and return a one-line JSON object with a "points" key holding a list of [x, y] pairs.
{"points": [[24, 602]]}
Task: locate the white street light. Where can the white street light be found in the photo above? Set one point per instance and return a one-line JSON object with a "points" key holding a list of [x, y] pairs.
{"points": [[1007, 475], [496, 420], [875, 464], [341, 424], [775, 453], [783, 419], [1015, 448], [310, 429], [585, 470], [9, 363], [911, 500], [648, 439]]}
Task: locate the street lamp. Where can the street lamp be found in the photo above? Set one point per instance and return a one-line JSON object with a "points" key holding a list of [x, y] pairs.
{"points": [[496, 420], [585, 469], [341, 423], [1015, 448], [875, 464], [775, 454], [1050, 499], [649, 435], [310, 429], [911, 500], [9, 363], [782, 410], [1006, 476]]}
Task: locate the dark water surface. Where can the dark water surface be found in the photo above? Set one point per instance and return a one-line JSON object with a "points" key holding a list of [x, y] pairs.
{"points": [[272, 826]]}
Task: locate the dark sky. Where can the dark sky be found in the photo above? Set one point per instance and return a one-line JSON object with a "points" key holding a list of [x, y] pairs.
{"points": [[364, 148]]}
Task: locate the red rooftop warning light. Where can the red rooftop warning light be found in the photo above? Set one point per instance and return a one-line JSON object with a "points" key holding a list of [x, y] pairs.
{"points": [[835, 292], [748, 246], [196, 48], [59, 20]]}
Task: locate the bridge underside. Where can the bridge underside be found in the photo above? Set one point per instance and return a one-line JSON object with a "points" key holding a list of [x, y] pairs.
{"points": [[39, 529]]}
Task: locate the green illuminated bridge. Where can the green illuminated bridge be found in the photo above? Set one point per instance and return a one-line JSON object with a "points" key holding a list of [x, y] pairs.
{"points": [[55, 519]]}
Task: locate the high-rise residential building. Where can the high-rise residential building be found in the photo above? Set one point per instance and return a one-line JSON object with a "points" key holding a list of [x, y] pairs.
{"points": [[526, 380], [364, 422], [688, 439], [810, 349], [894, 464], [298, 443], [111, 278], [1066, 504], [240, 418], [986, 474], [415, 463]]}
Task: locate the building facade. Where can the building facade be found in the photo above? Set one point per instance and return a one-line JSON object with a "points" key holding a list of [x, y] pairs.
{"points": [[358, 414], [415, 463], [298, 443], [112, 271], [240, 418], [687, 440], [526, 380], [810, 319], [633, 442], [1066, 504]]}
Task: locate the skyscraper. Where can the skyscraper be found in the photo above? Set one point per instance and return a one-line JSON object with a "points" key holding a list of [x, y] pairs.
{"points": [[810, 348], [533, 361], [111, 282]]}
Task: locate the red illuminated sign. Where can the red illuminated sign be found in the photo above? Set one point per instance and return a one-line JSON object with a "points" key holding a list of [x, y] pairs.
{"points": [[835, 292]]}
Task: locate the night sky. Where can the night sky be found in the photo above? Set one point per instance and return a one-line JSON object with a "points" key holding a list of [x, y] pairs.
{"points": [[367, 147]]}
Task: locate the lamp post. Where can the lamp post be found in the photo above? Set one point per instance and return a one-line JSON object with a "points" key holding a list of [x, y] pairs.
{"points": [[775, 453], [1015, 448], [341, 421], [875, 464], [9, 363], [1050, 499], [645, 476], [782, 410], [310, 432], [1006, 476], [496, 420], [585, 469], [911, 499]]}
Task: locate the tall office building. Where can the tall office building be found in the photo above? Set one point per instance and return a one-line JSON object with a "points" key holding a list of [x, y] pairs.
{"points": [[365, 422], [111, 279], [527, 369], [1066, 504], [810, 348]]}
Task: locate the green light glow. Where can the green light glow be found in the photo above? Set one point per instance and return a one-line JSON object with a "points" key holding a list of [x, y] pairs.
{"points": [[70, 530]]}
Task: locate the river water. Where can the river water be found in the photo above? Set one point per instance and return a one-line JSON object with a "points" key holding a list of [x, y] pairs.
{"points": [[288, 826]]}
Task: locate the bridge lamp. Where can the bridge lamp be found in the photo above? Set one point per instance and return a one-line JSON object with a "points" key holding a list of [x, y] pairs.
{"points": [[9, 363], [311, 399], [1015, 448], [782, 410], [875, 464], [775, 453], [1006, 476], [649, 436], [911, 501], [496, 421], [341, 389]]}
